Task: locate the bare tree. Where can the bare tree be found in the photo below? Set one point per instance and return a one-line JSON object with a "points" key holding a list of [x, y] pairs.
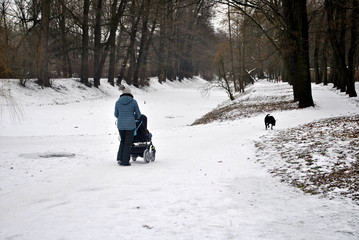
{"points": [[233, 70]]}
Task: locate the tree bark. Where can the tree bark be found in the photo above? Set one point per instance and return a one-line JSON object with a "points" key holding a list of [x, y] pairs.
{"points": [[305, 88], [222, 73], [335, 10], [115, 20], [233, 72], [111, 41], [324, 63], [97, 43], [141, 53], [297, 25], [316, 60], [135, 20], [84, 73], [5, 70], [162, 74], [66, 63], [42, 62], [112, 46], [352, 49], [143, 78]]}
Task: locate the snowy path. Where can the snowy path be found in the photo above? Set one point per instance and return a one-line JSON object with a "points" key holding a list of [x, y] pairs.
{"points": [[204, 184]]}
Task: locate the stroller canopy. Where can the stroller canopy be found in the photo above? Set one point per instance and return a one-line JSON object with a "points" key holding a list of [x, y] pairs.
{"points": [[141, 132]]}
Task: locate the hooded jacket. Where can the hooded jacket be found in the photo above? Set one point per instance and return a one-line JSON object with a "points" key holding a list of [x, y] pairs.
{"points": [[126, 112]]}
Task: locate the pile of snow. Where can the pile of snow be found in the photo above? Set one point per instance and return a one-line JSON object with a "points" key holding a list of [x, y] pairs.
{"points": [[59, 178]]}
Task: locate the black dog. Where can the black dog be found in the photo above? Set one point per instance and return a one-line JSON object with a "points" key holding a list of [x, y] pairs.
{"points": [[269, 120]]}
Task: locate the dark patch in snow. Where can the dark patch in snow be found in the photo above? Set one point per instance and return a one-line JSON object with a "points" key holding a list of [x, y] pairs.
{"points": [[172, 117], [48, 155], [16, 236], [147, 226], [58, 155]]}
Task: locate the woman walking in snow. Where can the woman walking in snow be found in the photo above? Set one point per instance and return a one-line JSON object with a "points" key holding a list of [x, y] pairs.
{"points": [[126, 112]]}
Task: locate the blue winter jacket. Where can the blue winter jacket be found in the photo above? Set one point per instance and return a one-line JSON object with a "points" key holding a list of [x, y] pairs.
{"points": [[126, 112]]}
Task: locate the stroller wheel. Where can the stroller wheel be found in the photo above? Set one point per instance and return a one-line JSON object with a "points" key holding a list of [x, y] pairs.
{"points": [[153, 153], [147, 156], [153, 156]]}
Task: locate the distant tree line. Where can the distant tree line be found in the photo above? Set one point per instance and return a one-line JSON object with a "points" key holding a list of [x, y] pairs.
{"points": [[127, 40], [298, 42]]}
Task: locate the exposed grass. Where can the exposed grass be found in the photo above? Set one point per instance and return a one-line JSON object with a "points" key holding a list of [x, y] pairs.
{"points": [[252, 103], [238, 110], [319, 158]]}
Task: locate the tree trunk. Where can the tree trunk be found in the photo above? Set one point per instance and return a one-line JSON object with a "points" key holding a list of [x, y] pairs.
{"points": [[352, 49], [161, 50], [233, 73], [134, 21], [244, 76], [143, 78], [240, 58], [298, 59], [317, 78], [5, 69], [112, 63], [336, 24], [290, 52], [141, 53], [43, 74], [324, 63], [305, 97], [132, 63], [112, 46], [84, 74], [97, 43], [222, 73], [342, 52], [66, 63]]}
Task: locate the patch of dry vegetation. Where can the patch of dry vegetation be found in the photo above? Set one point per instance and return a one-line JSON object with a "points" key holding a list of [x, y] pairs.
{"points": [[240, 110], [320, 157], [251, 104]]}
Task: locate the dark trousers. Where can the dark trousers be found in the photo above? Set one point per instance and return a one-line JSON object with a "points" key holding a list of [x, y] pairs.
{"points": [[124, 150]]}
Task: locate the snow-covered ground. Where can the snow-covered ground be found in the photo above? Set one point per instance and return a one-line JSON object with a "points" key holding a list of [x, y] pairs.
{"points": [[204, 184]]}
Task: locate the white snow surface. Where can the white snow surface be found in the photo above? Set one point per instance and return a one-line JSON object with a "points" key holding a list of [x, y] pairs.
{"points": [[204, 184]]}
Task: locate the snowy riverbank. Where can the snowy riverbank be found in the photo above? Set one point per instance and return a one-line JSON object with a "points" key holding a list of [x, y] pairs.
{"points": [[206, 182]]}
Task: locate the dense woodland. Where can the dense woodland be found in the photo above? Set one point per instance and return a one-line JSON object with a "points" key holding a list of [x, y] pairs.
{"points": [[298, 42]]}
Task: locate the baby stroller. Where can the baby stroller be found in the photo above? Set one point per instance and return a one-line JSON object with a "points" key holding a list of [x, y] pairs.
{"points": [[142, 142]]}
